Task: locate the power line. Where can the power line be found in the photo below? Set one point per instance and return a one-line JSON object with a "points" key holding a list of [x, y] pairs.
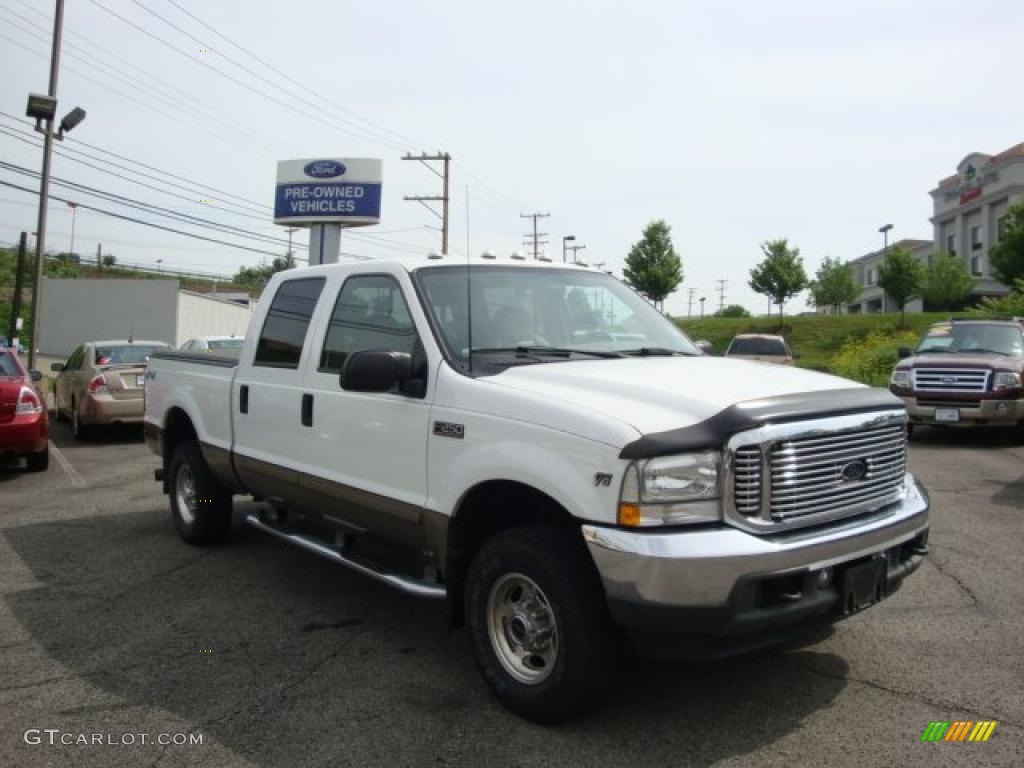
{"points": [[721, 293], [445, 159], [535, 236]]}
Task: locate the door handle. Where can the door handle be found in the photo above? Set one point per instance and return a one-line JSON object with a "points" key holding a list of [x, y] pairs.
{"points": [[243, 398], [307, 410]]}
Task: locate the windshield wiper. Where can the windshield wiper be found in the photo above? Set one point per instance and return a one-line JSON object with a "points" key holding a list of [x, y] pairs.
{"points": [[983, 351], [653, 352], [525, 351]]}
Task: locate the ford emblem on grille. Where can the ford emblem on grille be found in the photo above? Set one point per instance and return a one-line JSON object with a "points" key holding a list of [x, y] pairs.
{"points": [[949, 379], [854, 471]]}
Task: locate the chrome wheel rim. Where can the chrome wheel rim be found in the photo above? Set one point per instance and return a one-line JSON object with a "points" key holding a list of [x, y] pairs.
{"points": [[522, 628], [74, 420], [185, 494]]}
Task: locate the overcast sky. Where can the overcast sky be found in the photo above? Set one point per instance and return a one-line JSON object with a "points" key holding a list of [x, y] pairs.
{"points": [[736, 123]]}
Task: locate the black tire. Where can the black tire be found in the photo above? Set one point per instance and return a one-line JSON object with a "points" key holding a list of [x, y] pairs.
{"points": [[208, 520], [556, 562], [79, 430], [38, 462]]}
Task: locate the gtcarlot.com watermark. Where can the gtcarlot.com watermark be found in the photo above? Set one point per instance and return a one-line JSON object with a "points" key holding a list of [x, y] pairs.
{"points": [[57, 737]]}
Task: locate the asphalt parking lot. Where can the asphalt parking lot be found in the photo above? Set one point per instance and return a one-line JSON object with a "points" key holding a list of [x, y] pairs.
{"points": [[110, 624]]}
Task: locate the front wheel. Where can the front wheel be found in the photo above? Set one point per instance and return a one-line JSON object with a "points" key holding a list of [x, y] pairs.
{"points": [[200, 506], [539, 625]]}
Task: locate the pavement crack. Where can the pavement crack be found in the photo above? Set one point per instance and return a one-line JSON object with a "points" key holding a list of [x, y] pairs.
{"points": [[945, 571], [911, 695], [37, 683]]}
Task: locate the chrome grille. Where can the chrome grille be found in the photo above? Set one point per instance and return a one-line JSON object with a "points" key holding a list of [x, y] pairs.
{"points": [[746, 480], [798, 474], [951, 380]]}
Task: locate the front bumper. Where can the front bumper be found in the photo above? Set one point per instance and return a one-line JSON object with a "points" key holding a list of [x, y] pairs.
{"points": [[715, 591], [1000, 412]]}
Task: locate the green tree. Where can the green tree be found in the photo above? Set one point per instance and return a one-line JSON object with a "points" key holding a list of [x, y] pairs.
{"points": [[945, 282], [109, 260], [733, 310], [1007, 256], [653, 268], [257, 277], [834, 285], [780, 275], [900, 276]]}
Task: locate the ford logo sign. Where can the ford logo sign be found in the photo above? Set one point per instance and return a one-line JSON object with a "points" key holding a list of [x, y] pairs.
{"points": [[854, 471], [324, 169]]}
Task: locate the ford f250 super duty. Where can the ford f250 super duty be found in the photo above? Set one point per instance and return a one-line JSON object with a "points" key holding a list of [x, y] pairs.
{"points": [[539, 447]]}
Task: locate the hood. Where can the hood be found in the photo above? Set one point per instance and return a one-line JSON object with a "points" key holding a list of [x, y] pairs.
{"points": [[659, 393], [995, 362]]}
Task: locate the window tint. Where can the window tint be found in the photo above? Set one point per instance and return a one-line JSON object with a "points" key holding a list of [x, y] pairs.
{"points": [[758, 347], [370, 313], [75, 361], [284, 330], [225, 343], [7, 366], [124, 354]]}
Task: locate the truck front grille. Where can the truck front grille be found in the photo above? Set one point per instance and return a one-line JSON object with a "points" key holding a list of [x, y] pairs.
{"points": [[950, 380], [803, 475]]}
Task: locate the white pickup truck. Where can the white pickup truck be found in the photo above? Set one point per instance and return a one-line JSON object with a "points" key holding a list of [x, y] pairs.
{"points": [[539, 447]]}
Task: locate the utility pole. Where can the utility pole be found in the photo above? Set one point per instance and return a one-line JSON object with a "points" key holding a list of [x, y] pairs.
{"points": [[290, 256], [574, 249], [535, 237], [99, 257], [445, 159], [19, 281], [44, 185], [721, 294], [691, 292]]}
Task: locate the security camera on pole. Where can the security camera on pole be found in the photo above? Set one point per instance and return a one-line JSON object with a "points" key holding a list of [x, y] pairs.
{"points": [[327, 195]]}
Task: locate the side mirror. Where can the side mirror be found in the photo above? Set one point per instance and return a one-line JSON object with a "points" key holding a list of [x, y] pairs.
{"points": [[903, 352], [704, 346], [56, 367], [35, 375], [375, 370]]}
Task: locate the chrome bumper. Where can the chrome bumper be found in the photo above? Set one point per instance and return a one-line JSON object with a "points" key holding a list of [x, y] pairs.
{"points": [[701, 569]]}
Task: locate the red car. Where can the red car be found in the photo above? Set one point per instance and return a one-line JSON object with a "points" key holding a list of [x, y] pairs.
{"points": [[24, 425]]}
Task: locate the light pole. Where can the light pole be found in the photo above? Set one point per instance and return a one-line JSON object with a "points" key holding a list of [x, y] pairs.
{"points": [[574, 249], [566, 239], [43, 109], [885, 237], [702, 300], [74, 212], [158, 263]]}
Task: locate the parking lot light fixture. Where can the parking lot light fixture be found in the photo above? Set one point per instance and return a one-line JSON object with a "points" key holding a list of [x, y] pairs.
{"points": [[565, 240]]}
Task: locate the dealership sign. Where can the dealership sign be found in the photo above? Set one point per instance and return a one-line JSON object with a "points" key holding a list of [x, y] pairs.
{"points": [[971, 180], [344, 191]]}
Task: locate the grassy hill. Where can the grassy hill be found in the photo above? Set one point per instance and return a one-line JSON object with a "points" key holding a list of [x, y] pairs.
{"points": [[815, 338]]}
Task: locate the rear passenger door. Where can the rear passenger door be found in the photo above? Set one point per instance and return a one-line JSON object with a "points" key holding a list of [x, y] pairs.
{"points": [[366, 452], [267, 396]]}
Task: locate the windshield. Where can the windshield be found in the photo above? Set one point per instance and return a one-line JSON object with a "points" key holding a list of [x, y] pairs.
{"points": [[976, 338], [125, 354], [772, 347], [537, 310], [226, 343]]}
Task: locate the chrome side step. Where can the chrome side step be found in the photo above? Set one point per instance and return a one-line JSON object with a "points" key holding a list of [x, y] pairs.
{"points": [[404, 583]]}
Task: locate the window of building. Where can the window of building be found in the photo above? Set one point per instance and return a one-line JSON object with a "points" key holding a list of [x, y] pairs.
{"points": [[951, 245], [370, 313], [284, 330], [976, 241], [976, 265], [1000, 228]]}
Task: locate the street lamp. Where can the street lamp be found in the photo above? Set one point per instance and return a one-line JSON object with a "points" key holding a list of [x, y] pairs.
{"points": [[566, 239], [575, 249], [43, 108], [702, 300], [885, 237], [158, 263]]}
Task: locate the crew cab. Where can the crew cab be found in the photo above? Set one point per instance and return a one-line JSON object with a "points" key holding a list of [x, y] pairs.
{"points": [[540, 448], [964, 373]]}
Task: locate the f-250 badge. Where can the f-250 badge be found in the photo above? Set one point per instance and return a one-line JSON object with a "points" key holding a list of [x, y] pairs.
{"points": [[448, 429]]}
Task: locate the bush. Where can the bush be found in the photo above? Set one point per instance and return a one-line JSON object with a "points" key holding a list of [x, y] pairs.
{"points": [[1012, 304], [871, 359]]}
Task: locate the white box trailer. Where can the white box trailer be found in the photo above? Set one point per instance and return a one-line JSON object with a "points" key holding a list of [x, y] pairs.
{"points": [[78, 310]]}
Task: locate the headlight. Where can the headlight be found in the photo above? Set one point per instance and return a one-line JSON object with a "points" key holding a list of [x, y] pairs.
{"points": [[900, 378], [672, 490], [1005, 380]]}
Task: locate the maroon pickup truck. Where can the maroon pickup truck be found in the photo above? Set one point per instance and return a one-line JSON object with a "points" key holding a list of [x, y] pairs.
{"points": [[964, 373]]}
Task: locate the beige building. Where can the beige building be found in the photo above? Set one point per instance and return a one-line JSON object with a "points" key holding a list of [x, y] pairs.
{"points": [[969, 216]]}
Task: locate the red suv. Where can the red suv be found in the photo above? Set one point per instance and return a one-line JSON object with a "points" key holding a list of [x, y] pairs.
{"points": [[24, 425]]}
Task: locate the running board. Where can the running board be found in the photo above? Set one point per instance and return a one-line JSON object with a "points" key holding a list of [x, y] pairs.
{"points": [[404, 583]]}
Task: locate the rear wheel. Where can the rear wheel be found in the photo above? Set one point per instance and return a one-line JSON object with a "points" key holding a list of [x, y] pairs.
{"points": [[79, 430], [200, 506], [539, 624], [38, 462]]}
